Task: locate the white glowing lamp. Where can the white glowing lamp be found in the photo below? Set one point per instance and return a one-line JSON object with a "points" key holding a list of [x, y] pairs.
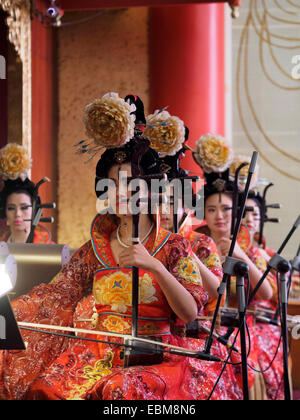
{"points": [[8, 270]]}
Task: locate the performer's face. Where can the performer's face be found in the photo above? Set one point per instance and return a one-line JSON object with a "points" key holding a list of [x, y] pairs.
{"points": [[218, 213], [252, 218], [18, 208], [119, 199], [166, 211]]}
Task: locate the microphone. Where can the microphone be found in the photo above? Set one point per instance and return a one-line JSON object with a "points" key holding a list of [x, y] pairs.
{"points": [[297, 223], [253, 162], [296, 261]]}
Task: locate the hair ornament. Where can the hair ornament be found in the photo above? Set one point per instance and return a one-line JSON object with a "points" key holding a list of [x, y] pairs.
{"points": [[213, 153], [165, 132], [14, 162]]}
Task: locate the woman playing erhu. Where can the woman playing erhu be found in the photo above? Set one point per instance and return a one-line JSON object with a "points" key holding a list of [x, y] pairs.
{"points": [[169, 282]]}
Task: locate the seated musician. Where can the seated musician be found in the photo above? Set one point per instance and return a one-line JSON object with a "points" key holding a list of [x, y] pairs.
{"points": [[218, 216], [169, 140], [169, 282], [16, 197]]}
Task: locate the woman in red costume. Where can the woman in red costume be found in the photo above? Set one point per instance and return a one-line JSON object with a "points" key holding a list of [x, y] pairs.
{"points": [[16, 197], [218, 216], [169, 141], [206, 254], [169, 283]]}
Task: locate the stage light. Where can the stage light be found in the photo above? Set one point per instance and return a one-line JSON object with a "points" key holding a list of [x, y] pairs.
{"points": [[8, 270]]}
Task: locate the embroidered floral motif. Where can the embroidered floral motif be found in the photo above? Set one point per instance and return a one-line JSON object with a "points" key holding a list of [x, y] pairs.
{"points": [[92, 373], [261, 263], [213, 260], [116, 290], [189, 271], [115, 324]]}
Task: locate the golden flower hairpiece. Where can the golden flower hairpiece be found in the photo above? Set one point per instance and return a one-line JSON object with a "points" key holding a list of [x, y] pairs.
{"points": [[165, 132], [109, 123], [14, 162], [213, 153]]}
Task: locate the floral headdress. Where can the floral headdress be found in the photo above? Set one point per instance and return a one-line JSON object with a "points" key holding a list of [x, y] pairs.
{"points": [[109, 123], [165, 132], [214, 155], [14, 162], [14, 166]]}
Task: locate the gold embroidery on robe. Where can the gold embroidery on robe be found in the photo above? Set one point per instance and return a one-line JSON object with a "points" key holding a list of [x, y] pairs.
{"points": [[189, 271], [92, 373]]}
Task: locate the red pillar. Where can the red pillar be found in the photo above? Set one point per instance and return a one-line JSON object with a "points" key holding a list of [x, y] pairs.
{"points": [[43, 111], [3, 80], [187, 68]]}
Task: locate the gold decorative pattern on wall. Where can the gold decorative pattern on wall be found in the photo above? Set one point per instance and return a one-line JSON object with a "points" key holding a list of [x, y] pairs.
{"points": [[106, 54]]}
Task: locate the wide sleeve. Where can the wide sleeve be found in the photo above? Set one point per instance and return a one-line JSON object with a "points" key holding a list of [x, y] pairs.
{"points": [[257, 257], [206, 250], [52, 303], [183, 266]]}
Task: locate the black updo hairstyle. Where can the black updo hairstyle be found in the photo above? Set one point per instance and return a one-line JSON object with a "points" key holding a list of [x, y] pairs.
{"points": [[170, 165], [149, 162], [218, 183], [255, 196], [15, 186]]}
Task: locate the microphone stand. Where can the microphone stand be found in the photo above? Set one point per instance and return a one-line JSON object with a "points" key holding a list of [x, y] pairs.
{"points": [[295, 266], [240, 269], [235, 206], [282, 266]]}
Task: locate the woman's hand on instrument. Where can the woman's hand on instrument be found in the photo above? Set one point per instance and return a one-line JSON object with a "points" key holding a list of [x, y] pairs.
{"points": [[224, 245], [137, 256]]}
